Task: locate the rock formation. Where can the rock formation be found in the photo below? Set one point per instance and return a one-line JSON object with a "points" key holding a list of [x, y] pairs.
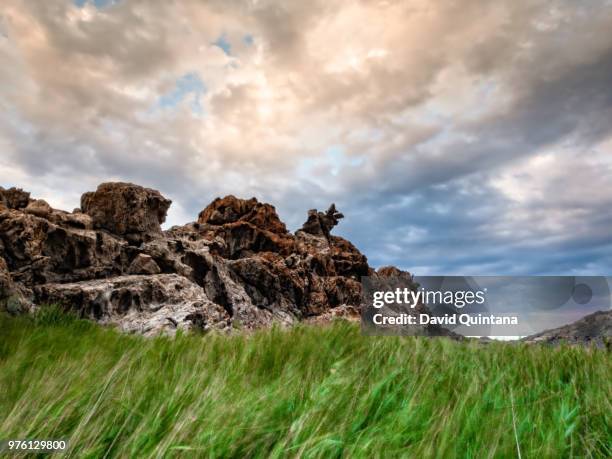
{"points": [[321, 223], [236, 266], [14, 198], [125, 209]]}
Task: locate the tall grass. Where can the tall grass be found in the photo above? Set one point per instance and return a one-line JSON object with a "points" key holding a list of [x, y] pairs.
{"points": [[307, 391]]}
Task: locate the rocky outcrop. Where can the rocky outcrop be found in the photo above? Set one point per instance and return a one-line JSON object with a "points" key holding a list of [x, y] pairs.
{"points": [[321, 223], [237, 266], [140, 304], [40, 208], [595, 329], [39, 250], [127, 210], [14, 198], [231, 209]]}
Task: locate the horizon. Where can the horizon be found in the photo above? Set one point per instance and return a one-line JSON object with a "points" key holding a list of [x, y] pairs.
{"points": [[463, 139]]}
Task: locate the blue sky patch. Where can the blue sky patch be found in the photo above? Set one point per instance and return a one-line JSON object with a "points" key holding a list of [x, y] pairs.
{"points": [[97, 3], [223, 43], [188, 84]]}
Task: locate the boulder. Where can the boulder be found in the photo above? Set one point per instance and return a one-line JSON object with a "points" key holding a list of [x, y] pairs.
{"points": [[40, 208], [14, 198], [143, 264], [245, 226], [131, 211], [231, 209]]}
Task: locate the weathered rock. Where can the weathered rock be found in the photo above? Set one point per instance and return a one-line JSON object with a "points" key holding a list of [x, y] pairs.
{"points": [[127, 210], [392, 271], [14, 198], [76, 220], [321, 223], [231, 209], [139, 304], [237, 265], [6, 282], [37, 250], [245, 226], [13, 298], [40, 208], [143, 264]]}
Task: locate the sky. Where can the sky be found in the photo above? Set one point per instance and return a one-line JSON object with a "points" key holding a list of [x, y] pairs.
{"points": [[457, 137]]}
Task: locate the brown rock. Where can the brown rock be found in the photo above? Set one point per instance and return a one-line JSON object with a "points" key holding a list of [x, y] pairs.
{"points": [[231, 209], [78, 220], [245, 226], [6, 282], [125, 209], [12, 297], [237, 265], [143, 264], [391, 271], [40, 208], [37, 250], [321, 223], [14, 198]]}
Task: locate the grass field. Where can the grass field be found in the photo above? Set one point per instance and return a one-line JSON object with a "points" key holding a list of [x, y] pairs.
{"points": [[308, 392]]}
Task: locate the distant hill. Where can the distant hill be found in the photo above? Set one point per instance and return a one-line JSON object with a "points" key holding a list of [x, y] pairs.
{"points": [[595, 329]]}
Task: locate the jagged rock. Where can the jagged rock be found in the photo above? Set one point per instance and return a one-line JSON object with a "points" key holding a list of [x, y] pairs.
{"points": [[40, 208], [139, 304], [238, 257], [321, 223], [125, 209], [231, 209], [392, 271], [14, 198], [245, 226], [13, 298], [143, 264], [37, 250], [76, 220]]}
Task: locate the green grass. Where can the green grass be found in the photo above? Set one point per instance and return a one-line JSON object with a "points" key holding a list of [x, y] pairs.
{"points": [[307, 391]]}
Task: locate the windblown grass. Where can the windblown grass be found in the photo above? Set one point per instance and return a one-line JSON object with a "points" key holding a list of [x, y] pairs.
{"points": [[307, 391]]}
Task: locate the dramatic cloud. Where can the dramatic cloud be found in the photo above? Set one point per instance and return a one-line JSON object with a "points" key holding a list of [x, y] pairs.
{"points": [[463, 137]]}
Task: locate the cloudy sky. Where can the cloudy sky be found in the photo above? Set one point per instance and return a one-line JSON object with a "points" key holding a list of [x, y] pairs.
{"points": [[458, 137]]}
